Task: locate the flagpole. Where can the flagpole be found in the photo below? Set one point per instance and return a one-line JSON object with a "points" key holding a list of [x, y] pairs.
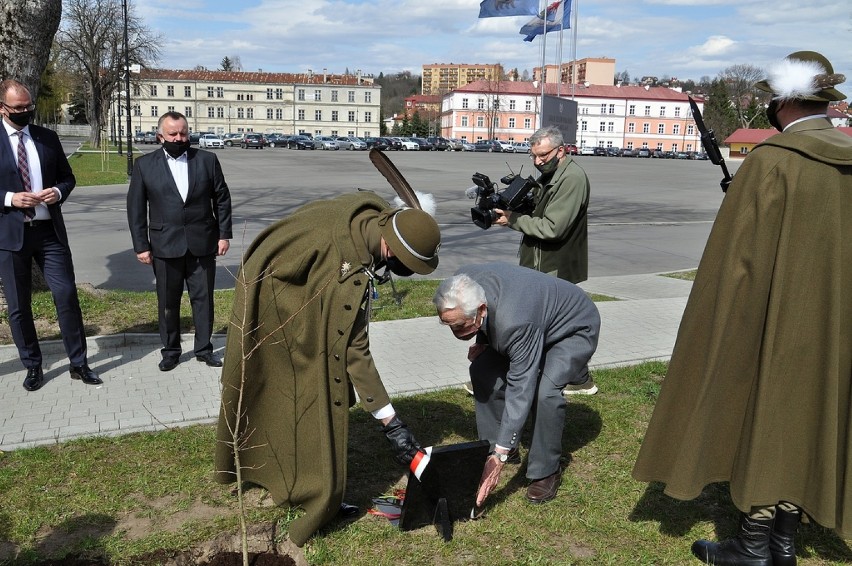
{"points": [[575, 6], [559, 52], [543, 5]]}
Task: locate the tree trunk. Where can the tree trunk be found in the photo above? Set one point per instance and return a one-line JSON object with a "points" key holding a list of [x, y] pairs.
{"points": [[26, 34]]}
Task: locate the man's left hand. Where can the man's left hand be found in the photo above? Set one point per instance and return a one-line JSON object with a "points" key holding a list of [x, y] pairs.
{"points": [[224, 246], [49, 196], [488, 481]]}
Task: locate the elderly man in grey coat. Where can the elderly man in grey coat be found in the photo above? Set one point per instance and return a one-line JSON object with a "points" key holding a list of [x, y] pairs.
{"points": [[534, 335]]}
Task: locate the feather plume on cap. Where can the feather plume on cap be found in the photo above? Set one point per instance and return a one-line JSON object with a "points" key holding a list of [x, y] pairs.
{"points": [[795, 78], [427, 202]]}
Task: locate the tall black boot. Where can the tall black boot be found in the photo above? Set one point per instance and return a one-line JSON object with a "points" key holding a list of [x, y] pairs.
{"points": [[749, 548], [782, 541]]}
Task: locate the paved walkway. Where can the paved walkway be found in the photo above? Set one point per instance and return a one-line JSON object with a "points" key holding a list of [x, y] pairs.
{"points": [[412, 356]]}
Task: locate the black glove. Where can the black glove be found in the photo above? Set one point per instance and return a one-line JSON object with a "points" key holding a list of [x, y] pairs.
{"points": [[403, 443]]}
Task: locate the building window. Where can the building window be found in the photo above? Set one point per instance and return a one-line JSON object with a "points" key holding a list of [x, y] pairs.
{"points": [[220, 92], [463, 121], [602, 127], [480, 104], [647, 111], [368, 116], [269, 113], [279, 114], [631, 127], [187, 111], [659, 146], [527, 123], [584, 126], [661, 128], [351, 115], [301, 94], [610, 126], [677, 111], [334, 95], [512, 104], [154, 111], [631, 110], [317, 95], [480, 122], [153, 90], [220, 112], [676, 129], [241, 112], [612, 108], [250, 113], [269, 94], [511, 122], [211, 112], [368, 96], [351, 96], [137, 90], [334, 115], [690, 130], [662, 111], [170, 90], [318, 115], [646, 128], [603, 108], [209, 92], [187, 92], [137, 110], [464, 104], [528, 105], [279, 94], [301, 115]]}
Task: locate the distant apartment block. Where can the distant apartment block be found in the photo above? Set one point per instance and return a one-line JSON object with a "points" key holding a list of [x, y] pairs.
{"points": [[441, 78], [608, 116], [228, 101], [594, 71]]}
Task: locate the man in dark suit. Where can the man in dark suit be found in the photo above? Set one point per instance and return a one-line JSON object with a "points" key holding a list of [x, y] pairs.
{"points": [[179, 211], [534, 336], [35, 179]]}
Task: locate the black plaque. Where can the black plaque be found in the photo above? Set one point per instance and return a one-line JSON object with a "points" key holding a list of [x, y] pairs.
{"points": [[446, 490]]}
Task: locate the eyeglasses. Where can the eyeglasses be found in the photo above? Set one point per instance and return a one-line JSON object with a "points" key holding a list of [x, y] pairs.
{"points": [[17, 109], [545, 157]]}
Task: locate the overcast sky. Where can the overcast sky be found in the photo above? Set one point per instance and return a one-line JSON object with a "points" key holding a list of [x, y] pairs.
{"points": [[687, 39]]}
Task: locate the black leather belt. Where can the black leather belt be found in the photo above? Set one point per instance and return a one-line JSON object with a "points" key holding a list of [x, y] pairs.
{"points": [[37, 223]]}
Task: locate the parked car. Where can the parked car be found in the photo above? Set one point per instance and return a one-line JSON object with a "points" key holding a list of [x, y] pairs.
{"points": [[629, 152], [571, 149], [378, 143], [643, 152], [195, 137], [490, 146], [150, 137], [613, 152], [506, 146], [587, 150], [300, 142], [701, 156], [393, 143], [350, 143], [139, 137], [439, 143], [455, 144], [409, 144], [276, 140], [521, 147], [251, 139], [423, 143], [210, 140], [326, 142], [682, 155], [600, 151], [232, 139], [468, 146]]}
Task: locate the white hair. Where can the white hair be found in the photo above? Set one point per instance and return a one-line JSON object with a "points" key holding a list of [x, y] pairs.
{"points": [[459, 291]]}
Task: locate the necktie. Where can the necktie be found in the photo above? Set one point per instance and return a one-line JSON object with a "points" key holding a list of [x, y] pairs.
{"points": [[24, 170]]}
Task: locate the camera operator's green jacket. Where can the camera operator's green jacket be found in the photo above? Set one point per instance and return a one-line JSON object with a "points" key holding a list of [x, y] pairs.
{"points": [[556, 234]]}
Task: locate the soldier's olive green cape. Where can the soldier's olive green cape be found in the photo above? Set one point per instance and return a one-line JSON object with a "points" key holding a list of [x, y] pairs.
{"points": [[759, 388], [290, 327]]}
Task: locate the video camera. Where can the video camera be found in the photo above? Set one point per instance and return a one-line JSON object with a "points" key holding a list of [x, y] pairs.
{"points": [[516, 197]]}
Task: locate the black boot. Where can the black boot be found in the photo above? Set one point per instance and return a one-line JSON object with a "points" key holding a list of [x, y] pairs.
{"points": [[782, 541], [749, 548]]}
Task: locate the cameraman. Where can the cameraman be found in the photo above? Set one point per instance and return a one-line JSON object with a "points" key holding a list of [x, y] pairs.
{"points": [[555, 237]]}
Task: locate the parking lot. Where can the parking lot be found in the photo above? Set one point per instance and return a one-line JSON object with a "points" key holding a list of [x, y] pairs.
{"points": [[646, 215]]}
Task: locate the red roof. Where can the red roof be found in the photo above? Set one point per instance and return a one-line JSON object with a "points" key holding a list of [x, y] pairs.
{"points": [[565, 90], [750, 135]]}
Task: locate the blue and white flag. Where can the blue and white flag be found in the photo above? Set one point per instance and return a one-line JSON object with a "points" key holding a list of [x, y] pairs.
{"points": [[500, 8], [558, 17]]}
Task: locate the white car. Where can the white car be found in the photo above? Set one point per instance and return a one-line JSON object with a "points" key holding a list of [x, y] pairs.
{"points": [[587, 150], [521, 147], [506, 146], [409, 144], [210, 140], [325, 142], [351, 143]]}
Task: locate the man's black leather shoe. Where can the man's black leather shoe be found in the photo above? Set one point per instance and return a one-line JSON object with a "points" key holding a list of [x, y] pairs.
{"points": [[348, 511], [210, 359], [168, 364], [34, 379], [85, 374]]}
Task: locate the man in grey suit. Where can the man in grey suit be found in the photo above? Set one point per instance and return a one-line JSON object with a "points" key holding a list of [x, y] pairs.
{"points": [[179, 212], [534, 335]]}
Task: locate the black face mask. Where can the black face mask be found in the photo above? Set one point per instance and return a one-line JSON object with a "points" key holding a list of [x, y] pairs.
{"points": [[21, 118], [772, 115], [176, 149], [397, 267], [548, 166]]}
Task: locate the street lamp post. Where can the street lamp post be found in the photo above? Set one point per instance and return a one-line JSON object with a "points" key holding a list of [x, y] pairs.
{"points": [[127, 93], [118, 124]]}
